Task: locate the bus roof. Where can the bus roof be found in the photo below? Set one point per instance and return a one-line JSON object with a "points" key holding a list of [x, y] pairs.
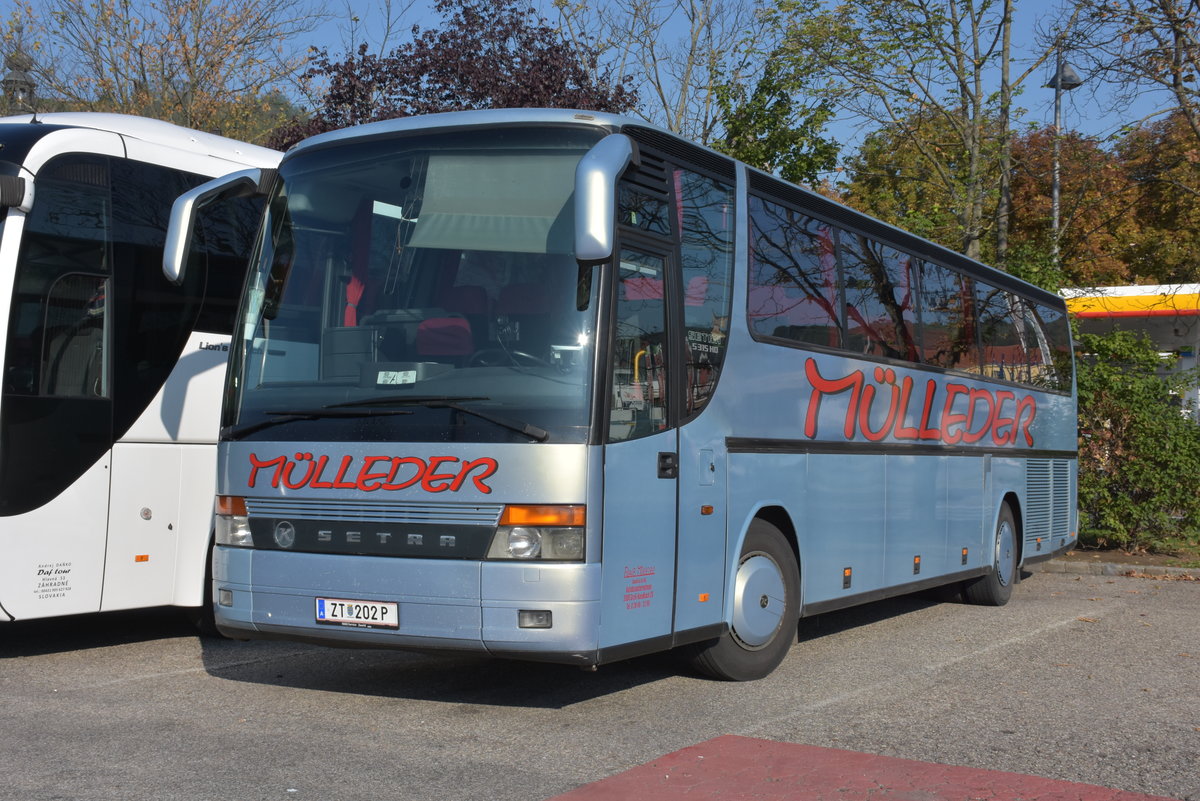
{"points": [[155, 131], [452, 119]]}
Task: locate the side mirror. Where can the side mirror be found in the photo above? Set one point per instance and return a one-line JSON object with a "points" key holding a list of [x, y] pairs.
{"points": [[596, 196], [245, 183], [16, 193]]}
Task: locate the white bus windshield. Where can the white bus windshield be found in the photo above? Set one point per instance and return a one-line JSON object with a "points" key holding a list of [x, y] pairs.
{"points": [[420, 288]]}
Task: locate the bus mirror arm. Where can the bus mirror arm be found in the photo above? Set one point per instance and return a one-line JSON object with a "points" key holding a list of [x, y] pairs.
{"points": [[245, 183], [596, 196]]}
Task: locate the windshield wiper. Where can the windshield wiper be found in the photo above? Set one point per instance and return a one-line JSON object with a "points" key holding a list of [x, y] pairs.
{"points": [[451, 402], [291, 416]]}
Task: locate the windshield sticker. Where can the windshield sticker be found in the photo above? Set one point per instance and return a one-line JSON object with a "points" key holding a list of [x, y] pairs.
{"points": [[389, 473], [961, 415]]}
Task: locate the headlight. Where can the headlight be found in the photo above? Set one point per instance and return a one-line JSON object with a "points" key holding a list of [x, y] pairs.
{"points": [[549, 533], [232, 524]]}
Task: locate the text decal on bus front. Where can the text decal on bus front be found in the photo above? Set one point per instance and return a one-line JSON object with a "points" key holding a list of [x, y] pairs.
{"points": [[389, 473], [963, 415]]}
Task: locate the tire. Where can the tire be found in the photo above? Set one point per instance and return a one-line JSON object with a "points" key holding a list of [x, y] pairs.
{"points": [[996, 587], [766, 610]]}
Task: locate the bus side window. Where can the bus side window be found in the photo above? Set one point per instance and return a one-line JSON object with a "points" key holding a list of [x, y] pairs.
{"points": [[73, 348], [880, 299], [1004, 355], [793, 291], [706, 253], [948, 335]]}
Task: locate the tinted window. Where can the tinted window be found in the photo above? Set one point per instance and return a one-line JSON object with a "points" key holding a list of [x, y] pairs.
{"points": [[880, 298], [706, 253], [155, 317], [948, 330], [57, 415], [639, 354], [95, 329], [793, 276]]}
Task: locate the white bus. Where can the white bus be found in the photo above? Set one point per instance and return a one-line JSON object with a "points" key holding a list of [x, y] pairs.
{"points": [[112, 375], [561, 386]]}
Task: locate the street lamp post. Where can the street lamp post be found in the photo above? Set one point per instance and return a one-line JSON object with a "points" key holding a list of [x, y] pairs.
{"points": [[18, 85], [1065, 79]]}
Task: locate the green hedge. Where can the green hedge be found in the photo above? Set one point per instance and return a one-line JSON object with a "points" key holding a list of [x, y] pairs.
{"points": [[1139, 447]]}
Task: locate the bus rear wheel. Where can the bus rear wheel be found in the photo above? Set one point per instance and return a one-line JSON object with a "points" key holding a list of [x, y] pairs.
{"points": [[766, 609], [996, 587]]}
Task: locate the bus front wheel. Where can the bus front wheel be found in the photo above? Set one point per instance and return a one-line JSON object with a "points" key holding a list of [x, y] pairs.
{"points": [[766, 609], [996, 587]]}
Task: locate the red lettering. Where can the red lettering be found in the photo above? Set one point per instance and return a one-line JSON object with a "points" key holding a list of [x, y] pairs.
{"points": [[340, 482], [949, 418], [287, 471], [375, 473], [1005, 423], [365, 476], [926, 432], [974, 397], [1026, 404], [419, 464], [487, 466], [317, 483], [903, 431], [256, 465], [445, 479], [882, 376], [822, 386]]}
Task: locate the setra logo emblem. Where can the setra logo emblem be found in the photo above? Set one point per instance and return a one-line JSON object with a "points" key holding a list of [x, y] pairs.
{"points": [[285, 534]]}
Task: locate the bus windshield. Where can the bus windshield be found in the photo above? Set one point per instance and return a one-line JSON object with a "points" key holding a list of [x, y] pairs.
{"points": [[420, 288]]}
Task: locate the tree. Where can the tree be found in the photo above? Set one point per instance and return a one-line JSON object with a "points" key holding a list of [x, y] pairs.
{"points": [[676, 53], [216, 65], [1099, 212], [768, 128], [486, 54], [1162, 160], [1137, 450], [891, 178], [925, 71]]}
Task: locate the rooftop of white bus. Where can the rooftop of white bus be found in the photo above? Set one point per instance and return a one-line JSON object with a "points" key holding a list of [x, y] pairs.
{"points": [[156, 131]]}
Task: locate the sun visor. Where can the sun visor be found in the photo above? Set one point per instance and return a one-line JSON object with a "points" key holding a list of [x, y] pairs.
{"points": [[519, 203]]}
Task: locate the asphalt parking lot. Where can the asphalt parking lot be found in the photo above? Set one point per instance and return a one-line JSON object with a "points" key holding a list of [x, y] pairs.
{"points": [[1085, 678]]}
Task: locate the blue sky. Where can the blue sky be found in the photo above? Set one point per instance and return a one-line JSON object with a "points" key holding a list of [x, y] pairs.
{"points": [[1087, 109]]}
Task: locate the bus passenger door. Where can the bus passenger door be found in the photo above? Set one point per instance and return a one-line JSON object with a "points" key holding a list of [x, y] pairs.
{"points": [[640, 459]]}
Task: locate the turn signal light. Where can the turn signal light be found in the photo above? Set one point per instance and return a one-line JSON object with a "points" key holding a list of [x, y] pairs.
{"points": [[516, 515]]}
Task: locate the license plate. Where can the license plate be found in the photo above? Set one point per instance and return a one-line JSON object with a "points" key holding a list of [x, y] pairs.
{"points": [[360, 614]]}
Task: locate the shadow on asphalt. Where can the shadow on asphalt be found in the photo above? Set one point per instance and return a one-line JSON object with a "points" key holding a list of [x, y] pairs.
{"points": [[476, 680], [443, 677], [100, 630]]}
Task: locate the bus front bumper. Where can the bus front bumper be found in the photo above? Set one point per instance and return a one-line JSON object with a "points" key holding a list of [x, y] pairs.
{"points": [[442, 604]]}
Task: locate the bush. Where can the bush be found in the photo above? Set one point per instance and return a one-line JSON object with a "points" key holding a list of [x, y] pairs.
{"points": [[1139, 448]]}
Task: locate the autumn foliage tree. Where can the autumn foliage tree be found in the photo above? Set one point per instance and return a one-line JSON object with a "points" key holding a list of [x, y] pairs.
{"points": [[1099, 221], [217, 65], [485, 54]]}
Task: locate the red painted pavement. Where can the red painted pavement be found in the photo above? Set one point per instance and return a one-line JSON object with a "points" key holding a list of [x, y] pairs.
{"points": [[734, 768]]}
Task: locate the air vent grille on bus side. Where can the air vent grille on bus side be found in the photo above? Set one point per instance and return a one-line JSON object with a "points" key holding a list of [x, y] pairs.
{"points": [[1047, 511], [680, 151], [652, 176]]}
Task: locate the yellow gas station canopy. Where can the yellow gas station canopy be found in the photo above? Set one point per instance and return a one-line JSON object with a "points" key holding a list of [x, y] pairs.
{"points": [[1175, 300]]}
